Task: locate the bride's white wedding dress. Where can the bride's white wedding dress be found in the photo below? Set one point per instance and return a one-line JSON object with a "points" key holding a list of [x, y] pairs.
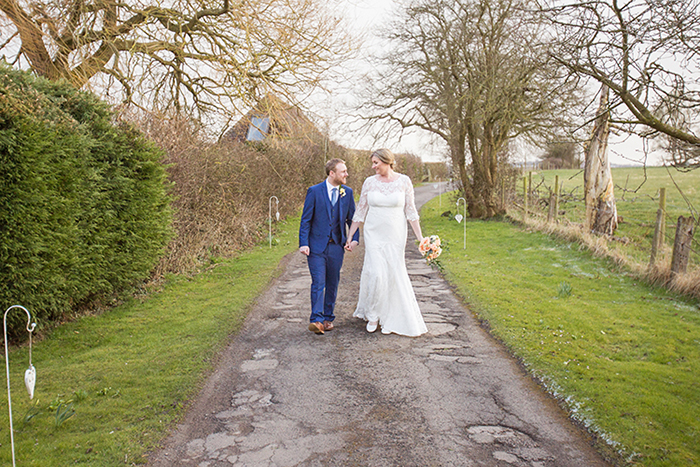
{"points": [[386, 294]]}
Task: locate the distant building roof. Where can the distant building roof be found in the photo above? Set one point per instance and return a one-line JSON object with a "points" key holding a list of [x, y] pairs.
{"points": [[271, 117]]}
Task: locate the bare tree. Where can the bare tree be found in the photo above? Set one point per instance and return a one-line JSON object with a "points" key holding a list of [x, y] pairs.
{"points": [[601, 210], [646, 52], [474, 73], [184, 54], [561, 155]]}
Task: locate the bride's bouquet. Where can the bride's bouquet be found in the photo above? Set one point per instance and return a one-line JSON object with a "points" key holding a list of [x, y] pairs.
{"points": [[430, 248]]}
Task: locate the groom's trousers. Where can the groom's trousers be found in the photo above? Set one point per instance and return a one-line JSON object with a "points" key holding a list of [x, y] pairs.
{"points": [[325, 275]]}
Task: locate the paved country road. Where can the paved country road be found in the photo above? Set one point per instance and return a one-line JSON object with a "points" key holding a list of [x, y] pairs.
{"points": [[283, 396]]}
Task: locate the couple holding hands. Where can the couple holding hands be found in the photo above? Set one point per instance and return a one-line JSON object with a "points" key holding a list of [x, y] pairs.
{"points": [[386, 297]]}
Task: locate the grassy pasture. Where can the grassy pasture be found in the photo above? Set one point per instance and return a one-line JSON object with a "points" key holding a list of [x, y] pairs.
{"points": [[622, 357], [637, 196]]}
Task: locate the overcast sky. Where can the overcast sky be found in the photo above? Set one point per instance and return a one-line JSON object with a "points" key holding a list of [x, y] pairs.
{"points": [[367, 18]]}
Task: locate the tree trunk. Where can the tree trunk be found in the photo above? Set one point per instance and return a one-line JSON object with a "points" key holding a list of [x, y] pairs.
{"points": [[682, 244], [483, 202], [601, 211], [458, 154]]}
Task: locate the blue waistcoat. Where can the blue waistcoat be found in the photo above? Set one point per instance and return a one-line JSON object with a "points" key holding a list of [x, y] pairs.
{"points": [[335, 222]]}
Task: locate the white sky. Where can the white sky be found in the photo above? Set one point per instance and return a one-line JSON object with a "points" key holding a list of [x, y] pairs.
{"points": [[367, 16]]}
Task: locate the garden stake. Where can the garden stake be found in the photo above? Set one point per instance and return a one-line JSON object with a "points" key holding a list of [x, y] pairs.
{"points": [[29, 375], [465, 219], [269, 214]]}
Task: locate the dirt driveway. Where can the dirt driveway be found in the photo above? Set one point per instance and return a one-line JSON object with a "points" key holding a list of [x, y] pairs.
{"points": [[283, 396]]}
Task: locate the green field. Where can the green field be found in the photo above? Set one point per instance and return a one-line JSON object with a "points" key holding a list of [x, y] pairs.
{"points": [[637, 196]]}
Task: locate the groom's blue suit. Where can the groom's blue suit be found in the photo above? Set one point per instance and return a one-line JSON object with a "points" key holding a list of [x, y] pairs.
{"points": [[324, 230]]}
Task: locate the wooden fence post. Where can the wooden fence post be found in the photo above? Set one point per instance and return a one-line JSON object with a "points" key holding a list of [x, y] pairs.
{"points": [[556, 197], [553, 201], [660, 230], [525, 196], [682, 244]]}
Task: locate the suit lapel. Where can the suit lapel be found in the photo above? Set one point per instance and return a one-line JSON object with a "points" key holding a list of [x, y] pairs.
{"points": [[340, 205]]}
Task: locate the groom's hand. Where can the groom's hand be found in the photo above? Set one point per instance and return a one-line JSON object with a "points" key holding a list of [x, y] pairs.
{"points": [[304, 250], [350, 245]]}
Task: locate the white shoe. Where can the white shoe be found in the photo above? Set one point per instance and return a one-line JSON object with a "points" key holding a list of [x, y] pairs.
{"points": [[372, 326]]}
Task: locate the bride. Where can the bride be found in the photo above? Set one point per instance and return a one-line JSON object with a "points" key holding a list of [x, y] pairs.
{"points": [[386, 295]]}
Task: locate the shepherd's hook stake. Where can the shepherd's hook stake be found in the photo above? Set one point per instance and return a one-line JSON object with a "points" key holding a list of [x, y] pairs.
{"points": [[464, 218], [29, 375], [269, 214]]}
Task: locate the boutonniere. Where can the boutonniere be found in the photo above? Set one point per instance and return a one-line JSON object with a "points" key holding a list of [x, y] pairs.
{"points": [[341, 190]]}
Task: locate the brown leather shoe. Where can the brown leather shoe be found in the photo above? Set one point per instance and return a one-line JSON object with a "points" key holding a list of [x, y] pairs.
{"points": [[328, 326], [316, 327]]}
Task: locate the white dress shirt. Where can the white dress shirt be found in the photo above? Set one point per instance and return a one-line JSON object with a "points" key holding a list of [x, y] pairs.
{"points": [[330, 187]]}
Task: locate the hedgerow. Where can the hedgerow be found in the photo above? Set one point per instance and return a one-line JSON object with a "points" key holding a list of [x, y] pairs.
{"points": [[84, 207]]}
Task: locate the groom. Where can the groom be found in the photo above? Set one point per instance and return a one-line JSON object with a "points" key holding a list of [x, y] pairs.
{"points": [[328, 211]]}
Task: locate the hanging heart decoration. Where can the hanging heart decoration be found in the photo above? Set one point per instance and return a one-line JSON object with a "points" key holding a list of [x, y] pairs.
{"points": [[278, 216], [30, 380], [435, 186], [459, 218]]}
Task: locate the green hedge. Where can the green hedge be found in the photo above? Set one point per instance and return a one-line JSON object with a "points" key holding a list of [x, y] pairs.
{"points": [[84, 207]]}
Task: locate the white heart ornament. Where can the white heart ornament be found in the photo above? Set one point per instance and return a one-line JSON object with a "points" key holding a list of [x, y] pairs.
{"points": [[30, 380], [278, 216], [459, 218], [435, 186]]}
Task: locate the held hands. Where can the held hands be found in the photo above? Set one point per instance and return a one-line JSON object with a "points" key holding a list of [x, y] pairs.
{"points": [[349, 245]]}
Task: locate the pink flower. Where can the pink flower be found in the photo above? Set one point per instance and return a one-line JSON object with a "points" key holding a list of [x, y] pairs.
{"points": [[430, 248]]}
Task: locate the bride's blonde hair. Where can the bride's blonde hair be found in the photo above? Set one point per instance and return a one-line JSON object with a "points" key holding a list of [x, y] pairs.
{"points": [[385, 156]]}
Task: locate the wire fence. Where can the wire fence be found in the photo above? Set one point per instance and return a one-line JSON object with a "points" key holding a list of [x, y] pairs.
{"points": [[642, 235]]}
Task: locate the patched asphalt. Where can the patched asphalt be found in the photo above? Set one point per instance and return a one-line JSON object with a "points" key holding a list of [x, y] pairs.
{"points": [[284, 396]]}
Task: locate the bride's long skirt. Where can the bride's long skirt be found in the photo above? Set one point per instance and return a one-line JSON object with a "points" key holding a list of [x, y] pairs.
{"points": [[386, 294]]}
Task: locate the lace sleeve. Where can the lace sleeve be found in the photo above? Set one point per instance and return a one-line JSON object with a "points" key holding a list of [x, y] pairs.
{"points": [[410, 205], [362, 205]]}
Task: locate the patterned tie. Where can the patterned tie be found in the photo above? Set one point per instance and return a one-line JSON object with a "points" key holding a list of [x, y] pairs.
{"points": [[334, 196]]}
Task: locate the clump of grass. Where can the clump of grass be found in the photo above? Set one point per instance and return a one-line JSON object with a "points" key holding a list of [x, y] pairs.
{"points": [[621, 356], [688, 284], [32, 412], [564, 290], [63, 413], [80, 395], [61, 409]]}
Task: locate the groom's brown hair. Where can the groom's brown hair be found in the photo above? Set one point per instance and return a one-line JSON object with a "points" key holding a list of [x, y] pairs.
{"points": [[330, 165]]}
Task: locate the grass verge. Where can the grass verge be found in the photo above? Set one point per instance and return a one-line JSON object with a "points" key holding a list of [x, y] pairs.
{"points": [[621, 356], [128, 373]]}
